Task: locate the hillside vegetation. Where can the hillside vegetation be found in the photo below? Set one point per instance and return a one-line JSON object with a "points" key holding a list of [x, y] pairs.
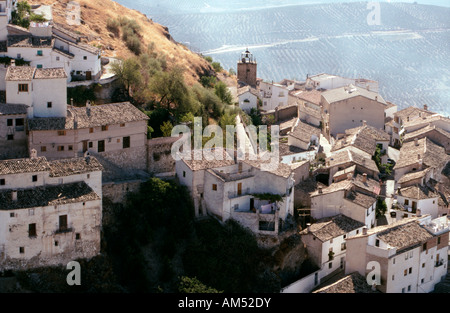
{"points": [[95, 15]]}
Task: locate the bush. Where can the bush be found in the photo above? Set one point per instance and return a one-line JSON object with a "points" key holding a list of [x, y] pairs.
{"points": [[217, 67], [113, 26], [134, 44]]}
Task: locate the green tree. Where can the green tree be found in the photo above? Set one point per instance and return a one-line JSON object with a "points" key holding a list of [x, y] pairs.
{"points": [[222, 91], [170, 88], [381, 207], [129, 74], [166, 129], [217, 67]]}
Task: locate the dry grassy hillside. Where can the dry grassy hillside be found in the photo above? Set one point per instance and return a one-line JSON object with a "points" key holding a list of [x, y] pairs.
{"points": [[94, 15]]}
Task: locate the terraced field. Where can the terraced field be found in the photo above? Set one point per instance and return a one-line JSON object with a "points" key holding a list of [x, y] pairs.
{"points": [[409, 53]]}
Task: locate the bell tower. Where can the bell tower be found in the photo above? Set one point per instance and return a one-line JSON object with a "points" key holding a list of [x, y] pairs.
{"points": [[246, 69]]}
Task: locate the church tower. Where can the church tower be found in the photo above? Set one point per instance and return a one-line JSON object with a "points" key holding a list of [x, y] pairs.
{"points": [[246, 69]]}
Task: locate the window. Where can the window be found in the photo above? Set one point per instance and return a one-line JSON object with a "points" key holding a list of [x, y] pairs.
{"points": [[101, 146], [21, 250], [91, 130], [19, 56], [70, 147], [57, 58], [60, 148], [84, 57], [20, 122], [410, 270], [49, 104], [393, 277], [88, 176], [126, 142], [39, 52], [330, 265], [122, 125], [32, 230], [184, 174], [10, 137], [61, 132], [34, 178], [423, 265], [214, 187], [104, 127], [11, 214], [43, 148], [77, 236], [343, 246], [421, 281], [39, 66], [377, 242], [2, 182], [438, 240], [393, 261], [62, 222], [409, 288], [406, 202], [424, 246], [90, 144], [23, 87], [30, 212], [9, 122], [405, 273]]}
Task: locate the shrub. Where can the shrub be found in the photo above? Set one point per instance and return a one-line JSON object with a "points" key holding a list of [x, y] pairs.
{"points": [[217, 67], [113, 26], [134, 44]]}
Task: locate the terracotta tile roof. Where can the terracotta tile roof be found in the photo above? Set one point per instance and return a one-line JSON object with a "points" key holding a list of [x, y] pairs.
{"points": [[203, 164], [48, 73], [245, 89], [404, 234], [47, 196], [7, 109], [73, 166], [312, 96], [364, 138], [347, 92], [332, 227], [418, 192], [100, 115], [412, 112], [431, 154], [425, 130], [413, 175], [351, 156], [22, 73], [360, 198], [342, 185], [353, 283], [285, 149], [304, 132], [29, 41], [278, 169], [425, 120], [18, 166]]}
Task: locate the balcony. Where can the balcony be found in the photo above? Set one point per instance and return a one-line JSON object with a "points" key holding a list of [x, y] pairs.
{"points": [[63, 230], [439, 263], [236, 194]]}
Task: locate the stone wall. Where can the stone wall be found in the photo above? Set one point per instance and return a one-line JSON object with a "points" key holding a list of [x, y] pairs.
{"points": [[160, 159], [117, 191], [128, 159]]}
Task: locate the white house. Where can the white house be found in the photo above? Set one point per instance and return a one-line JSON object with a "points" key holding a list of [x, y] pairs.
{"points": [[240, 190], [50, 212], [30, 86], [303, 136], [248, 98], [326, 239], [273, 95], [417, 199], [355, 197], [411, 254]]}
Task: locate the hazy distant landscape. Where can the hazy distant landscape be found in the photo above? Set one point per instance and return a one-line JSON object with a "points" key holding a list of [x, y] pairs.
{"points": [[408, 53]]}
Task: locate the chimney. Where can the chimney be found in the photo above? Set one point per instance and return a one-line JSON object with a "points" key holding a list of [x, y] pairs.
{"points": [[308, 226], [33, 154], [364, 179], [75, 122], [364, 123], [420, 164], [14, 195], [416, 141], [320, 189], [71, 102], [88, 108], [364, 230], [425, 107]]}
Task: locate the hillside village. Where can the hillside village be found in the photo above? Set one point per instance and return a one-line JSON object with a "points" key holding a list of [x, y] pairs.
{"points": [[357, 179]]}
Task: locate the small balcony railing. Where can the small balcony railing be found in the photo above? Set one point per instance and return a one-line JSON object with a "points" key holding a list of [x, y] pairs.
{"points": [[235, 194]]}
